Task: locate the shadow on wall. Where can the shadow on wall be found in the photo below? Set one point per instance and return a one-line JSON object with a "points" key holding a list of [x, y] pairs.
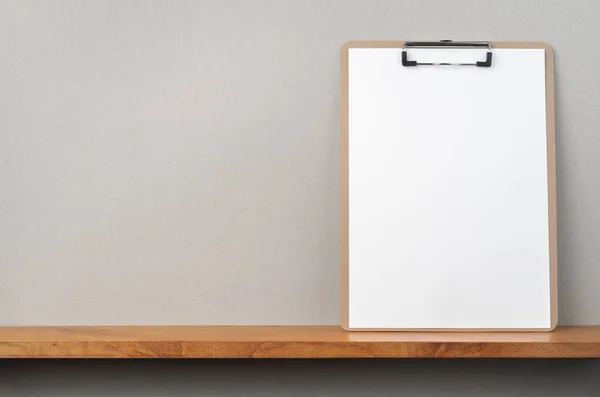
{"points": [[299, 378]]}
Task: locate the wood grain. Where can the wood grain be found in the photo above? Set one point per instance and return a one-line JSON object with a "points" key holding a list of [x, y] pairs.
{"points": [[290, 342]]}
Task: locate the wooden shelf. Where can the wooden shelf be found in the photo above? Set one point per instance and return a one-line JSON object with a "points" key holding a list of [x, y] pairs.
{"points": [[289, 342]]}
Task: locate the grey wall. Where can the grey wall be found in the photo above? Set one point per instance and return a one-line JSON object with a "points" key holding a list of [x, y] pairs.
{"points": [[176, 162]]}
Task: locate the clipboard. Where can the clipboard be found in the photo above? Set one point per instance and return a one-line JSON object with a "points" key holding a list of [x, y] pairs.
{"points": [[488, 54]]}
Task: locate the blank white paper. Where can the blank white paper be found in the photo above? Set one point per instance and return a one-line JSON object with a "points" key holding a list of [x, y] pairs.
{"points": [[448, 193]]}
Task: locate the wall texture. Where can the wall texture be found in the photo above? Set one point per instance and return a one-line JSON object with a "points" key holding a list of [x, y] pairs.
{"points": [[176, 162]]}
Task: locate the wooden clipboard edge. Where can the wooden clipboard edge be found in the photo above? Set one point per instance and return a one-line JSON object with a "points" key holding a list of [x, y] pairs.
{"points": [[344, 275]]}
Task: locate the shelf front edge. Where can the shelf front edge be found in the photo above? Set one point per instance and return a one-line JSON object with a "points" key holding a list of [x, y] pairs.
{"points": [[289, 342]]}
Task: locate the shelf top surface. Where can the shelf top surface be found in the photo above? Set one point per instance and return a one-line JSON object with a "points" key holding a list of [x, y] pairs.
{"points": [[580, 334]]}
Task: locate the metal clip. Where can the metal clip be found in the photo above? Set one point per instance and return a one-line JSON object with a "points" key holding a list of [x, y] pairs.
{"points": [[447, 44]]}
